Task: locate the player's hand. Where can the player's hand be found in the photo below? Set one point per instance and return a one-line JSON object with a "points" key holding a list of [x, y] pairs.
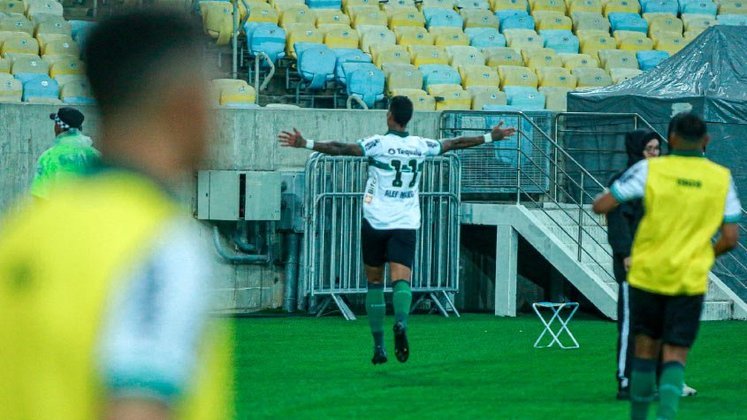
{"points": [[294, 139], [627, 262], [498, 133]]}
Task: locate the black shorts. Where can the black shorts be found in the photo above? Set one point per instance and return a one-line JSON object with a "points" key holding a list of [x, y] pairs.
{"points": [[382, 246], [672, 319]]}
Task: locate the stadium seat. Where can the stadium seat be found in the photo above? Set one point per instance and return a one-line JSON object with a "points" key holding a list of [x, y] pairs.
{"points": [[54, 28], [406, 18], [48, 7], [524, 41], [548, 6], [239, 95], [372, 18], [421, 101], [485, 37], [76, 92], [464, 56], [618, 59], [366, 82], [442, 17], [16, 24], [283, 5], [41, 89], [517, 76], [554, 22], [451, 39], [592, 45], [563, 42], [574, 61], [11, 89], [661, 6], [217, 20], [341, 38], [621, 6], [518, 22], [60, 47], [555, 98], [331, 17], [79, 29], [266, 38], [439, 74], [585, 6], [503, 14], [635, 44], [628, 22], [619, 75], [66, 66], [698, 22], [472, 5], [543, 57], [378, 36], [436, 90], [438, 4], [348, 56], [665, 24], [733, 20], [700, 7], [479, 76], [732, 7], [12, 6], [591, 77], [499, 5], [401, 76], [263, 13], [301, 36], [422, 55], [316, 66], [590, 21], [5, 65], [413, 36], [390, 55], [650, 59], [500, 56], [482, 97], [525, 98], [454, 100], [297, 15], [20, 45], [671, 43], [324, 4]]}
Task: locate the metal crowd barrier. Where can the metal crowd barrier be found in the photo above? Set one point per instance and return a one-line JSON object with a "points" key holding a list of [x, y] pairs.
{"points": [[333, 215]]}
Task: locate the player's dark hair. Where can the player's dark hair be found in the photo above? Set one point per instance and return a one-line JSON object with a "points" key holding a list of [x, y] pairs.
{"points": [[689, 127], [124, 53], [401, 109]]}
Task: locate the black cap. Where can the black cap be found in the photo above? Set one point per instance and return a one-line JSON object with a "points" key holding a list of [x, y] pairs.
{"points": [[69, 116]]}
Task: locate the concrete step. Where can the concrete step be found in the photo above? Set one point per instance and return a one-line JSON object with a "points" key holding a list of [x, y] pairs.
{"points": [[717, 310], [572, 213]]}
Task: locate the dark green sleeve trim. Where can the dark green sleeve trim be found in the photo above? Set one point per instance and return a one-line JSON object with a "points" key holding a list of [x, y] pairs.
{"points": [[734, 218], [360, 144], [381, 165], [143, 385], [616, 194]]}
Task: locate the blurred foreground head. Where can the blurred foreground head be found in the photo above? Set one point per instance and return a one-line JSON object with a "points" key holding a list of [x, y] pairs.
{"points": [[146, 74]]}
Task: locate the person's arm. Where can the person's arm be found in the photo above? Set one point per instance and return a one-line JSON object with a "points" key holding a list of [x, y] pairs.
{"points": [[618, 232], [497, 134], [727, 240], [630, 186], [334, 148]]}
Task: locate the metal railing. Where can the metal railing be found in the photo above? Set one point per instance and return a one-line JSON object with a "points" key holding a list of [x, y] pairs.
{"points": [[731, 268], [333, 216], [547, 178]]}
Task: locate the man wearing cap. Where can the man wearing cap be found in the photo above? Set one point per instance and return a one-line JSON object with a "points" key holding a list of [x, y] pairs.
{"points": [[71, 153]]}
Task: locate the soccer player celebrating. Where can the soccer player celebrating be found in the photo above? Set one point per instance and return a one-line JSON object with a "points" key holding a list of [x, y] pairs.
{"points": [[391, 210], [687, 199]]}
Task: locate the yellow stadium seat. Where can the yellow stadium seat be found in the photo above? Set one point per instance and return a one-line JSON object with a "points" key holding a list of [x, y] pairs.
{"points": [[217, 20], [548, 6], [29, 64], [66, 66], [342, 38], [623, 35], [377, 36], [636, 44], [11, 90], [372, 18], [556, 77], [400, 76], [392, 7], [444, 30], [302, 35], [61, 47], [410, 35], [478, 18], [12, 6], [296, 27], [590, 33], [472, 5], [20, 45], [592, 45], [698, 22], [438, 4], [297, 15], [449, 39], [665, 24], [479, 76], [5, 65], [512, 33], [16, 24], [555, 98], [574, 61], [263, 13], [482, 96], [618, 59], [64, 79], [464, 56], [75, 89], [732, 7], [692, 34], [455, 100], [238, 95], [327, 28], [591, 77], [622, 6], [588, 6], [593, 21], [435, 90], [406, 18], [44, 39], [397, 55], [330, 17], [651, 16], [671, 43], [541, 57], [53, 28], [421, 101], [521, 42], [47, 7], [422, 54], [517, 76], [554, 21], [282, 5], [502, 56], [496, 5], [622, 74], [5, 35]]}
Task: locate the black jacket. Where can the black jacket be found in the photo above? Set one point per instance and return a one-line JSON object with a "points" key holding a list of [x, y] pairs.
{"points": [[622, 222]]}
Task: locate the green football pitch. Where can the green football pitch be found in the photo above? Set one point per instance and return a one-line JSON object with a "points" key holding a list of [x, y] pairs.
{"points": [[477, 366]]}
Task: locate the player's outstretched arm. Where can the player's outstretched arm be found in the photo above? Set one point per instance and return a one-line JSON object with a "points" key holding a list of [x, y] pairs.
{"points": [[296, 140], [498, 133]]}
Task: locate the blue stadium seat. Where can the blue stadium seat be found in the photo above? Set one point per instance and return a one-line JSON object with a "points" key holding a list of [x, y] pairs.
{"points": [[700, 7], [324, 4], [628, 22], [733, 20], [443, 17], [80, 26], [505, 14], [650, 59], [348, 56], [366, 81], [265, 37], [562, 41], [485, 37], [518, 22], [439, 74], [491, 107], [525, 98], [41, 88], [661, 6], [316, 65]]}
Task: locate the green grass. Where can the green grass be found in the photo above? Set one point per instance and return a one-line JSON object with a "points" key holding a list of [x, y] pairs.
{"points": [[478, 366]]}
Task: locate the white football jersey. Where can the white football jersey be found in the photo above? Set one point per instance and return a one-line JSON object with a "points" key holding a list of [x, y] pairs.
{"points": [[395, 160]]}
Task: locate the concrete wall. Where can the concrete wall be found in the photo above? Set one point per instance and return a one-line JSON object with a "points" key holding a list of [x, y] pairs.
{"points": [[243, 139]]}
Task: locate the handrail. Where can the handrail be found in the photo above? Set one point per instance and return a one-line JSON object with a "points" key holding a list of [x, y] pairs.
{"points": [[357, 99], [260, 55]]}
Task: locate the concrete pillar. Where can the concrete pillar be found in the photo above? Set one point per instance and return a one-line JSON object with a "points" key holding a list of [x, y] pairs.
{"points": [[506, 259]]}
